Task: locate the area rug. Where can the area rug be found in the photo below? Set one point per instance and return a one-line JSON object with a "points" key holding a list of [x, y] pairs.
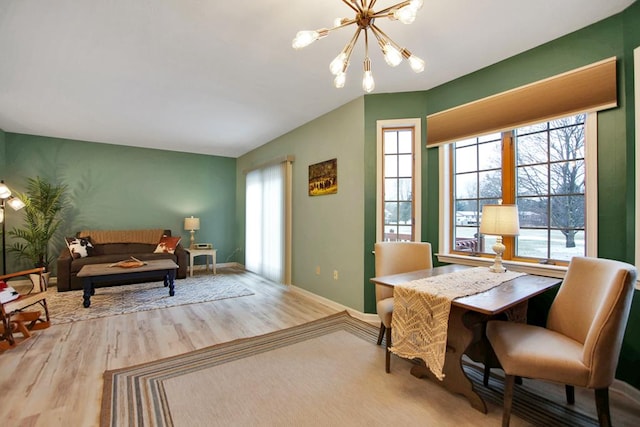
{"points": [[324, 373], [110, 301]]}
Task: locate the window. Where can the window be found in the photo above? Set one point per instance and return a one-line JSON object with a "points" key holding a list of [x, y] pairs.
{"points": [[542, 168], [268, 223], [398, 180]]}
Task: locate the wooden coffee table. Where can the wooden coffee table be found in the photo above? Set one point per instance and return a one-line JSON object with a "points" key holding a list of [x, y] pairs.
{"points": [[96, 273]]}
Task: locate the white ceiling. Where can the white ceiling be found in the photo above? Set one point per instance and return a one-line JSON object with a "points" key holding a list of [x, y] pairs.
{"points": [[221, 78]]}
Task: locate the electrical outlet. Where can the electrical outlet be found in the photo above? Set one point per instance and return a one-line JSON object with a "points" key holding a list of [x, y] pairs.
{"points": [[317, 270], [335, 274]]}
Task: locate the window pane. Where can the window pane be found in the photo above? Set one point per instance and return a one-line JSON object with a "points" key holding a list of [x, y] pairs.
{"points": [[533, 243], [491, 184], [390, 142], [391, 213], [405, 165], [533, 212], [566, 144], [567, 212], [567, 177], [404, 213], [567, 245], [391, 189], [532, 180], [490, 155], [466, 186], [405, 141], [404, 189], [466, 159], [532, 149], [390, 166]]}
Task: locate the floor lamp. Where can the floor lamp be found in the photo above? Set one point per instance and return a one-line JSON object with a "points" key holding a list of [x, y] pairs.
{"points": [[6, 199]]}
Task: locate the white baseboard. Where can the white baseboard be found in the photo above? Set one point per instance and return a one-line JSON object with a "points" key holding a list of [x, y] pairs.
{"points": [[365, 317]]}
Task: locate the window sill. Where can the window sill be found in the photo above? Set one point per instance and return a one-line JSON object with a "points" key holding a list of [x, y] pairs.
{"points": [[524, 267]]}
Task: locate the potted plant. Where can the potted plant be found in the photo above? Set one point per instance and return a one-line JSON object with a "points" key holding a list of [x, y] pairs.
{"points": [[44, 204]]}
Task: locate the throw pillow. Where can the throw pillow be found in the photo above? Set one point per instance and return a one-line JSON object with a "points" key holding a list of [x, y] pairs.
{"points": [[167, 245], [79, 246]]}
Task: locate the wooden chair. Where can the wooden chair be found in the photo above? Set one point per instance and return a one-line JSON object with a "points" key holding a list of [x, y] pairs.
{"points": [[394, 258], [581, 342], [15, 318]]}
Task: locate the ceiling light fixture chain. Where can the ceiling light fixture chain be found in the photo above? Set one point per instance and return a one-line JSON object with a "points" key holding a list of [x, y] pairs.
{"points": [[365, 17]]}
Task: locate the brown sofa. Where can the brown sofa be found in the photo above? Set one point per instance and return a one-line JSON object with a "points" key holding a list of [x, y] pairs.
{"points": [[111, 246]]}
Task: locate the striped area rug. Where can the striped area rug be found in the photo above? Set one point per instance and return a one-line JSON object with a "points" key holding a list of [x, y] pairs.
{"points": [[324, 373]]}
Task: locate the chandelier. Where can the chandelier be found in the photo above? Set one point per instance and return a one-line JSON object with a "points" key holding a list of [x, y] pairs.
{"points": [[365, 17]]}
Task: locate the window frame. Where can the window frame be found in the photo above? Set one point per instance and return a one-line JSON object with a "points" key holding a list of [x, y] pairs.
{"points": [[381, 126], [446, 199]]}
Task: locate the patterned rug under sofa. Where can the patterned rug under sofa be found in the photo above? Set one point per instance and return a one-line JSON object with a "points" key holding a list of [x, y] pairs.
{"points": [[67, 307]]}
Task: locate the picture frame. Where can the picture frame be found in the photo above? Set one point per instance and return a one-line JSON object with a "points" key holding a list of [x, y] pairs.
{"points": [[323, 178]]}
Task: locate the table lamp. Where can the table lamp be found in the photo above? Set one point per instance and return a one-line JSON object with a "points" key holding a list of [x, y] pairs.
{"points": [[192, 224], [499, 220]]}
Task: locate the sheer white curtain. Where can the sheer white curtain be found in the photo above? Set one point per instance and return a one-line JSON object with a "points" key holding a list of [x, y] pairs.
{"points": [[267, 224]]}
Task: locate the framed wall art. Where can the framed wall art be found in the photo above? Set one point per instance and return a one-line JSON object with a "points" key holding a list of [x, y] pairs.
{"points": [[323, 178]]}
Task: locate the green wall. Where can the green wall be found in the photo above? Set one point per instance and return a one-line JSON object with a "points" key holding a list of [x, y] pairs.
{"points": [[616, 36], [328, 231], [118, 187]]}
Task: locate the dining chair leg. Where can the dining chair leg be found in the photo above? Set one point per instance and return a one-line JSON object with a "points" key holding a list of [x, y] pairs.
{"points": [[509, 381], [602, 407], [381, 333], [485, 377], [570, 391], [388, 353]]}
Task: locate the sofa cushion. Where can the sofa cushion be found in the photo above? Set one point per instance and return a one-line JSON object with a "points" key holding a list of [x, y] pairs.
{"points": [[79, 247], [167, 245]]}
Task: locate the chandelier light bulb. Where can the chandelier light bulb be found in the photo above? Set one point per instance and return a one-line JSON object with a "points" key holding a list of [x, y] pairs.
{"points": [[416, 4], [337, 65], [368, 84], [340, 79], [406, 14], [392, 56], [416, 63], [305, 38]]}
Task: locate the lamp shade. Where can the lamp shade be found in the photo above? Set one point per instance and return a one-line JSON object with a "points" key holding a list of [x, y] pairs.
{"points": [[500, 220], [15, 203], [192, 223], [4, 191]]}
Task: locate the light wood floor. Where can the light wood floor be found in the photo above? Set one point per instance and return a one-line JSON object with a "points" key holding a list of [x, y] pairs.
{"points": [[55, 378]]}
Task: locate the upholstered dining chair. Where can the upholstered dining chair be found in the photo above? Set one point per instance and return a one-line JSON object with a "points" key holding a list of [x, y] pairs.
{"points": [[580, 344], [394, 258]]}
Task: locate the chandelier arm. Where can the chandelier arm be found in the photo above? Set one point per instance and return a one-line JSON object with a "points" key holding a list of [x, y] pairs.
{"points": [[343, 24], [366, 43], [384, 35], [349, 48], [355, 8], [379, 35], [386, 11]]}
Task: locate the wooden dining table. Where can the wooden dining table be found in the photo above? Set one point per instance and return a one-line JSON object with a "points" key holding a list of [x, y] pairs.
{"points": [[467, 317]]}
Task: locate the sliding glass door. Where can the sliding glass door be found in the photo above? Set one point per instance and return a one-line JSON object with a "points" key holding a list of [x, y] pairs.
{"points": [[268, 202]]}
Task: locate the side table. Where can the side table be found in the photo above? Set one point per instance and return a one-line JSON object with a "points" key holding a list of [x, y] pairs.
{"points": [[193, 252]]}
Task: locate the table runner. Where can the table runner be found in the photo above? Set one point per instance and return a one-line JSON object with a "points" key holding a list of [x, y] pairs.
{"points": [[421, 312]]}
